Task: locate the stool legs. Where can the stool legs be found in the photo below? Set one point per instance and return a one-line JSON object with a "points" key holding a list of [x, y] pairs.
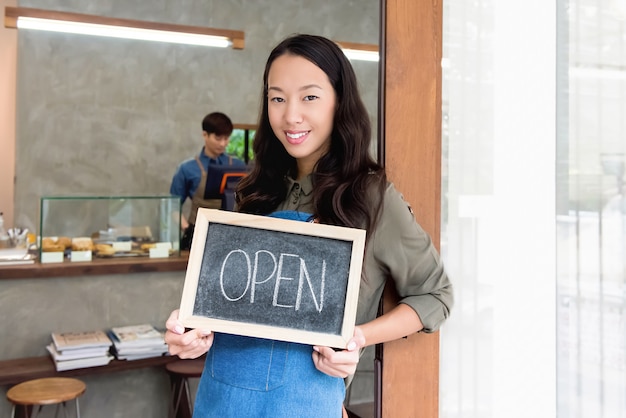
{"points": [[77, 408], [22, 411], [31, 412], [180, 406], [180, 371]]}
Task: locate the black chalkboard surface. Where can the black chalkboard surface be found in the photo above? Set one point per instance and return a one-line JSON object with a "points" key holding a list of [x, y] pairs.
{"points": [[273, 278]]}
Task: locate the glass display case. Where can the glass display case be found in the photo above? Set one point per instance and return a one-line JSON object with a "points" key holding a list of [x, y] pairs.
{"points": [[108, 226]]}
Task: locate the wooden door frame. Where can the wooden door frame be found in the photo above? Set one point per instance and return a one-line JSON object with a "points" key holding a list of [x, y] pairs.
{"points": [[410, 148]]}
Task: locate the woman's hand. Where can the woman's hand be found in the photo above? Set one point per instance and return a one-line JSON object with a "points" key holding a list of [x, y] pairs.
{"points": [[190, 344], [339, 363]]}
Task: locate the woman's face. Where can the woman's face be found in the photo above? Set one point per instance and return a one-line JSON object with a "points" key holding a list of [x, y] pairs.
{"points": [[301, 107]]}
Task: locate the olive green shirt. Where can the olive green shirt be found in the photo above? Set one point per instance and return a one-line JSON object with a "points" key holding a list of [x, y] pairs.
{"points": [[400, 250]]}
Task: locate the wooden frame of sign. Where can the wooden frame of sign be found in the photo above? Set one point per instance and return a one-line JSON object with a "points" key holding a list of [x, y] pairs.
{"points": [[266, 277]]}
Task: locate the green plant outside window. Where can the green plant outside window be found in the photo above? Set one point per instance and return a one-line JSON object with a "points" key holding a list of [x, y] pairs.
{"points": [[237, 144]]}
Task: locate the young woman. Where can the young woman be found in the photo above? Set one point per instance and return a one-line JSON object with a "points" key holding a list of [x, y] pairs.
{"points": [[313, 163]]}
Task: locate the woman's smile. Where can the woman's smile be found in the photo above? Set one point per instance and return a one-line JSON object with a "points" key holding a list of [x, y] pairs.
{"points": [[296, 137]]}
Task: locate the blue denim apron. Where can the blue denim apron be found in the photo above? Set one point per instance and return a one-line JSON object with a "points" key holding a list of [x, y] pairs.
{"points": [[255, 377]]}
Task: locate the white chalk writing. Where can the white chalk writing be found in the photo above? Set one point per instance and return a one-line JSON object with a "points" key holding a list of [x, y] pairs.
{"points": [[277, 268]]}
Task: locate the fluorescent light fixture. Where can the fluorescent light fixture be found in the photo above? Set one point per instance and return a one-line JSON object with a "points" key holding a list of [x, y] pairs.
{"points": [[26, 18], [122, 32], [361, 52], [361, 55]]}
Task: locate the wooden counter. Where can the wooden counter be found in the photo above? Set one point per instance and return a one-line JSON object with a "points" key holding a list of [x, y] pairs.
{"points": [[95, 267], [19, 370]]}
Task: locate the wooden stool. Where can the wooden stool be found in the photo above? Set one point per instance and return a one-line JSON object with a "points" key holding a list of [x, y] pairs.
{"points": [[46, 391], [180, 371]]}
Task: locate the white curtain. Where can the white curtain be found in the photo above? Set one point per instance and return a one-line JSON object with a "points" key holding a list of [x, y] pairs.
{"points": [[534, 213]]}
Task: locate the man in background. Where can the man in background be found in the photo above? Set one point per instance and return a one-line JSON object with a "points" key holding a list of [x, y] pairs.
{"points": [[190, 179]]}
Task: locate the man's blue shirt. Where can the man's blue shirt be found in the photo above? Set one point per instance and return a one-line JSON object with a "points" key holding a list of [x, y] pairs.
{"points": [[188, 175]]}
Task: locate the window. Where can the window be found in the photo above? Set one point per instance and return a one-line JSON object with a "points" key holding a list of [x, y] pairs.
{"points": [[591, 209], [240, 144], [498, 225], [534, 222]]}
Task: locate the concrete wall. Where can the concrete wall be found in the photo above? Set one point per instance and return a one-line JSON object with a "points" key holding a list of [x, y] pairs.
{"points": [[114, 117], [33, 308]]}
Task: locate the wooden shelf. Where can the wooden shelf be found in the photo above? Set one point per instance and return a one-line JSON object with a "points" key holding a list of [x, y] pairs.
{"points": [[23, 369], [95, 267]]}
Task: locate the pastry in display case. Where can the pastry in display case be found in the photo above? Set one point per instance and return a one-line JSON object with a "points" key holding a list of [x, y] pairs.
{"points": [[79, 228]]}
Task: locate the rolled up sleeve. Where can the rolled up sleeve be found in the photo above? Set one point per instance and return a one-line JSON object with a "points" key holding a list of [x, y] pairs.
{"points": [[405, 253]]}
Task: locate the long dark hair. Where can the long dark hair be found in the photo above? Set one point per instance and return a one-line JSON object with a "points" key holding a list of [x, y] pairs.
{"points": [[348, 184]]}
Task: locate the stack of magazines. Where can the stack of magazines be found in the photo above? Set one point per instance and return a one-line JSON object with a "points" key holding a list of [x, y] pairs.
{"points": [[76, 350], [136, 342]]}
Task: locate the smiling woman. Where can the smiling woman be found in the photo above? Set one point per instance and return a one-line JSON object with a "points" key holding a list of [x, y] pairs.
{"points": [[301, 107], [324, 175]]}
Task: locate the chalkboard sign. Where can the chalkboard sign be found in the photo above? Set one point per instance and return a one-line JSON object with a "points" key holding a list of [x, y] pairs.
{"points": [[273, 278]]}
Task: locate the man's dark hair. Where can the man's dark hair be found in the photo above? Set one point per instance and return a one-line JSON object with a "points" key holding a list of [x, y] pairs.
{"points": [[217, 123]]}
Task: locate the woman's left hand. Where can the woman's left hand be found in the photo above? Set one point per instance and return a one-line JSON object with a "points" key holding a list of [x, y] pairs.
{"points": [[339, 363]]}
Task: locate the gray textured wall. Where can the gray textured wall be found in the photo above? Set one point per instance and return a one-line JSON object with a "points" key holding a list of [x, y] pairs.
{"points": [[114, 117], [105, 116], [32, 308]]}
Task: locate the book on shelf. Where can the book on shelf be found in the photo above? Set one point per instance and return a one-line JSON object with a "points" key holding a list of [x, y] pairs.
{"points": [[76, 350], [67, 341], [76, 354], [144, 335], [161, 348], [135, 342], [81, 363], [139, 356]]}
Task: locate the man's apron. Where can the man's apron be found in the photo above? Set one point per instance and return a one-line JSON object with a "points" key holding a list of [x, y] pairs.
{"points": [[198, 200]]}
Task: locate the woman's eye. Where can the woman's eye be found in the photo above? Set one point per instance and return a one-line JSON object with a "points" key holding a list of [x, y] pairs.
{"points": [[276, 99], [309, 98]]}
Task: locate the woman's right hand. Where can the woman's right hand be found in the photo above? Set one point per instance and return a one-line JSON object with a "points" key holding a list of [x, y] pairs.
{"points": [[190, 344]]}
